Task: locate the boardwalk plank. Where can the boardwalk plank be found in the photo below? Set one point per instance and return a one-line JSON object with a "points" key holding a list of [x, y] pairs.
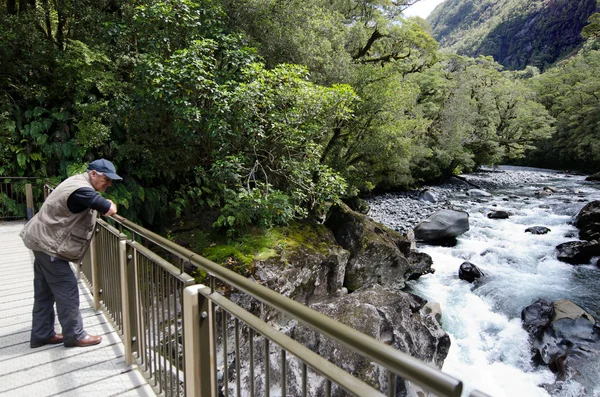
{"points": [[54, 370]]}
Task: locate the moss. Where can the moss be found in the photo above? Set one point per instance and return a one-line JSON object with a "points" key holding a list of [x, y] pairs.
{"points": [[306, 234], [256, 245]]}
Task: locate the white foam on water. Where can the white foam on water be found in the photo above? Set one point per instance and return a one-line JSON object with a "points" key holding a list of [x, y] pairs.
{"points": [[490, 350]]}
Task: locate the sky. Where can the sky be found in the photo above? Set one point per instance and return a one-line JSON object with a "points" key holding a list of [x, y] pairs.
{"points": [[422, 9]]}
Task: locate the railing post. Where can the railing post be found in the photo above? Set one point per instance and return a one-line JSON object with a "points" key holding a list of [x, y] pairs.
{"points": [[132, 298], [29, 200], [197, 320], [125, 298], [94, 266]]}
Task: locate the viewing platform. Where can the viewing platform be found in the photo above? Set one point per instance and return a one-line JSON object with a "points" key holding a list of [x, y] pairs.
{"points": [[54, 370]]}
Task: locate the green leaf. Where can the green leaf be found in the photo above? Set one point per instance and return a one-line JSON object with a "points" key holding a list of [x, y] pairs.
{"points": [[21, 159]]}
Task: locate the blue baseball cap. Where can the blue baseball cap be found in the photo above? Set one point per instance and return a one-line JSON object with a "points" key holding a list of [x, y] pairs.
{"points": [[106, 167]]}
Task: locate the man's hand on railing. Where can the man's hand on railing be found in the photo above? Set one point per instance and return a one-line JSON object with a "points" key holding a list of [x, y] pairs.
{"points": [[112, 210]]}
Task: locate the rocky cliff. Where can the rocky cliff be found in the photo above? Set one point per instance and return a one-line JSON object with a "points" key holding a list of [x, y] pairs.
{"points": [[517, 33]]}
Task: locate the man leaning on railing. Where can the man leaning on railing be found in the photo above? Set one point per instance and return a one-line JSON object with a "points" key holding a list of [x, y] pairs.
{"points": [[61, 232]]}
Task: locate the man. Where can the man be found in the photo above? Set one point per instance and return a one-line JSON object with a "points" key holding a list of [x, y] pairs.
{"points": [[61, 232]]}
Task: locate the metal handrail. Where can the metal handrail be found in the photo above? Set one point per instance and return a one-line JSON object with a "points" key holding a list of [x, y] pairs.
{"points": [[402, 364], [128, 305], [17, 197]]}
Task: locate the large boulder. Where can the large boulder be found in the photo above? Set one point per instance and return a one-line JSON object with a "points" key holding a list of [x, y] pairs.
{"points": [[588, 221], [442, 224], [564, 336], [308, 270], [577, 252], [378, 255], [595, 177], [394, 317]]}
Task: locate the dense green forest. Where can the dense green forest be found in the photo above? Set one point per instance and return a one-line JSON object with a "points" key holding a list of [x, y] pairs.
{"points": [[262, 111]]}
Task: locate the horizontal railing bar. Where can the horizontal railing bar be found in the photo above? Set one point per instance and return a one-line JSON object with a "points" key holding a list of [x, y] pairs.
{"points": [[331, 371], [21, 177], [398, 362], [110, 228], [185, 278]]}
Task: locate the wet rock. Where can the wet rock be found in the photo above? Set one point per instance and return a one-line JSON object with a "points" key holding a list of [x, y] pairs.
{"points": [[537, 316], [537, 230], [443, 224], [563, 335], [442, 242], [588, 221], [432, 309], [378, 255], [565, 308], [469, 272], [595, 177], [577, 252], [478, 193], [498, 215]]}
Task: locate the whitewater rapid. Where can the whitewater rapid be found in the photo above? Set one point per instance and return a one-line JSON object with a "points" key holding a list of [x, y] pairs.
{"points": [[490, 350]]}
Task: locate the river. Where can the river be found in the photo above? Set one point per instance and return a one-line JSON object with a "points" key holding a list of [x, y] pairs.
{"points": [[490, 349]]}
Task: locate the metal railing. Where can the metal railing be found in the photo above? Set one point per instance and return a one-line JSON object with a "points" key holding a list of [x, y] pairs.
{"points": [[17, 197], [193, 340]]}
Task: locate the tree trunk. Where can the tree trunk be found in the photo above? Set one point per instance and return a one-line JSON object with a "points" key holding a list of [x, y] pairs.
{"points": [[46, 8], [62, 23]]}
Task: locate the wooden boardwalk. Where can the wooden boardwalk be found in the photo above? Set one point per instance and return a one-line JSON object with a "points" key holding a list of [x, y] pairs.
{"points": [[53, 370]]}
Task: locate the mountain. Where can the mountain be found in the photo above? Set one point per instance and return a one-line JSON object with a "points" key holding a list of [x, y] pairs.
{"points": [[516, 33]]}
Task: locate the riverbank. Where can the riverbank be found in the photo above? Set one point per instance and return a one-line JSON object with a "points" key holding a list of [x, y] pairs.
{"points": [[402, 211]]}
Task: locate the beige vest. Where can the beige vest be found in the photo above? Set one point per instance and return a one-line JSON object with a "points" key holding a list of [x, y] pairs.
{"points": [[57, 231]]}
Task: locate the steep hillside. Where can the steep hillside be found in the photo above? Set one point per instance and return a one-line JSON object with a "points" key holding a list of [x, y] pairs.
{"points": [[516, 33]]}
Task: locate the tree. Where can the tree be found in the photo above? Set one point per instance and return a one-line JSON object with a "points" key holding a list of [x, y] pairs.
{"points": [[571, 94]]}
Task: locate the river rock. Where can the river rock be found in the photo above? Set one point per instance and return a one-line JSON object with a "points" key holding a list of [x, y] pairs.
{"points": [[595, 177], [537, 230], [577, 252], [478, 193], [312, 271], [442, 224], [428, 195], [537, 316], [498, 215], [564, 340], [389, 315], [588, 221], [565, 308], [378, 255], [469, 272]]}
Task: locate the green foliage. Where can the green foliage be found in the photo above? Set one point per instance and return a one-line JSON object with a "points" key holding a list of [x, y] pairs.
{"points": [[254, 112], [269, 153], [571, 93], [480, 116]]}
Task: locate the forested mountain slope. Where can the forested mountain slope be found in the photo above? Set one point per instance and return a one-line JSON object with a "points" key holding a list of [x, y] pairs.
{"points": [[516, 33]]}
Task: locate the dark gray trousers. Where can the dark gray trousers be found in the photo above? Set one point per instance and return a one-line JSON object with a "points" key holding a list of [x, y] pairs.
{"points": [[54, 281]]}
